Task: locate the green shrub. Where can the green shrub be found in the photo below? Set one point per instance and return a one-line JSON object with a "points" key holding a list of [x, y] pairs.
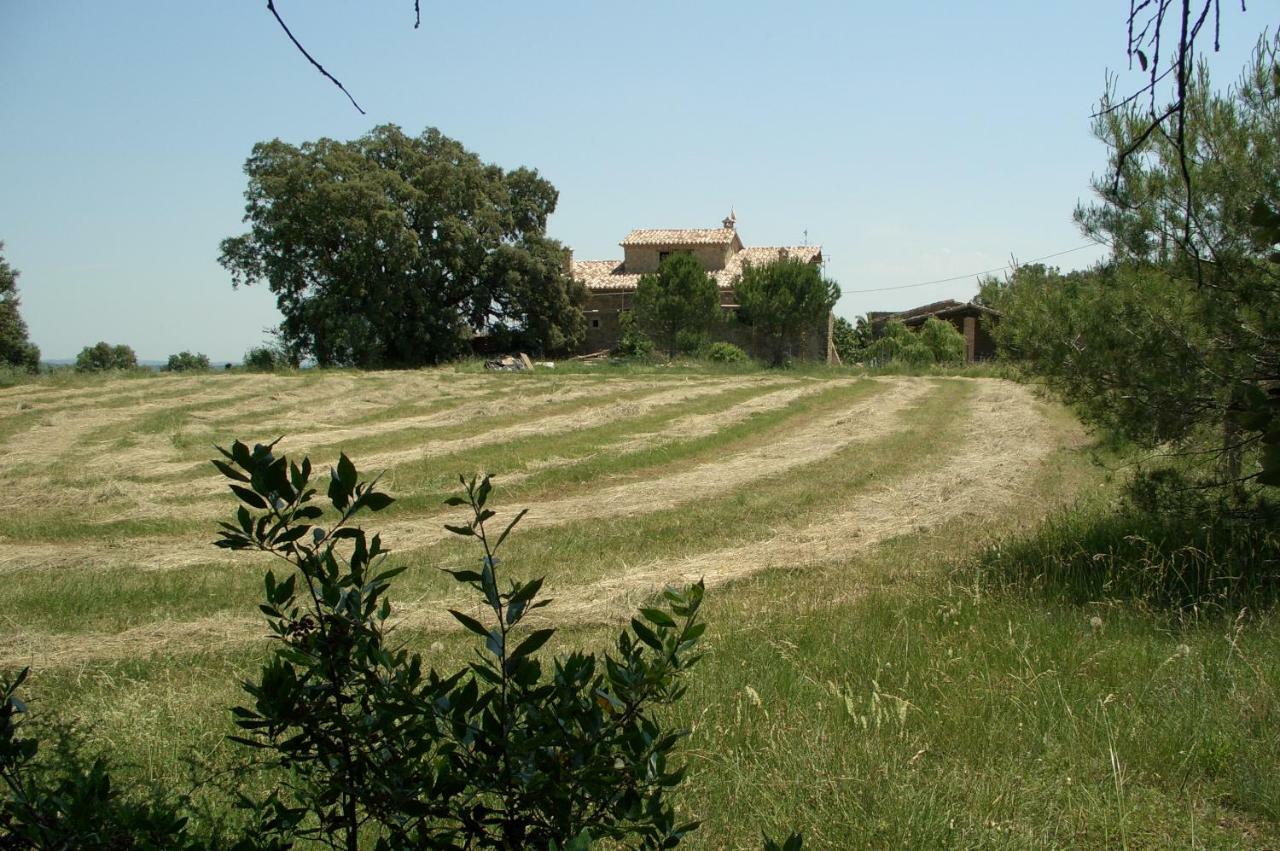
{"points": [[502, 753], [187, 362], [690, 342], [104, 356], [632, 342], [724, 353], [945, 343], [899, 344], [64, 798], [266, 359]]}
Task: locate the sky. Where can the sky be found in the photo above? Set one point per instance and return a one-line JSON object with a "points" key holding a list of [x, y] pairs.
{"points": [[913, 141]]}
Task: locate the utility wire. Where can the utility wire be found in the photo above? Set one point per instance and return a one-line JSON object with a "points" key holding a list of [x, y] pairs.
{"points": [[971, 274]]}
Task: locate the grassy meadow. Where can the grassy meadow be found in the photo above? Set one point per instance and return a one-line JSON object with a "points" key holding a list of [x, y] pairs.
{"points": [[907, 646]]}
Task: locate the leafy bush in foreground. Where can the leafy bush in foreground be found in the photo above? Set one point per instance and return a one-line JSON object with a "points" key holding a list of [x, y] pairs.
{"points": [[65, 799], [366, 747], [500, 754]]}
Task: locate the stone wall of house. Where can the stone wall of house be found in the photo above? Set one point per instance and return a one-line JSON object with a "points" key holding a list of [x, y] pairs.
{"points": [[602, 311], [643, 259]]}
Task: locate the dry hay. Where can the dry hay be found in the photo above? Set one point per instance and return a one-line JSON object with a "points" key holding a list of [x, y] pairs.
{"points": [[1007, 440], [609, 410], [808, 442], [154, 500]]}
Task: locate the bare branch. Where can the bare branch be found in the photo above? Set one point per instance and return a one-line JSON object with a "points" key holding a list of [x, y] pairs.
{"points": [[271, 7]]}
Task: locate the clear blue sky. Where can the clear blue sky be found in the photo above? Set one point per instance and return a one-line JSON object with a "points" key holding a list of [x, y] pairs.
{"points": [[914, 141]]}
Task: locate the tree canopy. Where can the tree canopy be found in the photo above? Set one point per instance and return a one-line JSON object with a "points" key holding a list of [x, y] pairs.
{"points": [[1178, 337], [392, 250], [103, 356], [681, 298], [783, 300], [187, 362], [16, 350]]}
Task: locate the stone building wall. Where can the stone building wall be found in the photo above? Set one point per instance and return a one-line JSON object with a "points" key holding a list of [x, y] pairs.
{"points": [[643, 259]]}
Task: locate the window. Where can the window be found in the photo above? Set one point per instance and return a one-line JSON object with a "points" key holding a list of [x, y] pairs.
{"points": [[595, 323]]}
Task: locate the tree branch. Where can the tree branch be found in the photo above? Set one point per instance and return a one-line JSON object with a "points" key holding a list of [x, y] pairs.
{"points": [[271, 7]]}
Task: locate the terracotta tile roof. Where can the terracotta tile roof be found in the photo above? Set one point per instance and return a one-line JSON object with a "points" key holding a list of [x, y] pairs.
{"points": [[604, 275], [941, 309], [611, 275], [760, 256], [685, 236]]}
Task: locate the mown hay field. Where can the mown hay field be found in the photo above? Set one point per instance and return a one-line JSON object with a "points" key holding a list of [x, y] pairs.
{"points": [[860, 683], [632, 482]]}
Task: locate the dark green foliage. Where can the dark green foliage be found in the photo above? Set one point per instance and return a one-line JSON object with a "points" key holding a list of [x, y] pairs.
{"points": [[539, 303], [1177, 339], [632, 342], [66, 800], [104, 356], [505, 753], [679, 298], [943, 340], [899, 344], [393, 250], [267, 359], [783, 301], [1122, 343], [690, 342], [724, 353], [187, 362], [851, 340], [16, 350]]}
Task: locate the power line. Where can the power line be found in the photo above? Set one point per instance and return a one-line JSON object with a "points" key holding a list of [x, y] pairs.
{"points": [[971, 274]]}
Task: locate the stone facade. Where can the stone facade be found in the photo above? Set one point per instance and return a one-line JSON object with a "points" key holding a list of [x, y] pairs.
{"points": [[611, 284]]}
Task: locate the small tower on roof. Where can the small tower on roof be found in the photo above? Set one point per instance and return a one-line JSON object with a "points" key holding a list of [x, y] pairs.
{"points": [[731, 222]]}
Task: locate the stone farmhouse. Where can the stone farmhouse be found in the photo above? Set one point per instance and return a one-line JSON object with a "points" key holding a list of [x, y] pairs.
{"points": [[611, 284], [972, 320]]}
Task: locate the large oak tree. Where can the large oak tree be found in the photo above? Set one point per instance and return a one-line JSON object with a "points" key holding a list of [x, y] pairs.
{"points": [[392, 250]]}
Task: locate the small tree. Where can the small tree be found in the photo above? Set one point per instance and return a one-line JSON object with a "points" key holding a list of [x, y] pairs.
{"points": [[899, 344], [632, 342], [784, 300], [945, 343], [187, 362], [104, 356], [680, 297], [851, 340], [267, 358], [16, 350]]}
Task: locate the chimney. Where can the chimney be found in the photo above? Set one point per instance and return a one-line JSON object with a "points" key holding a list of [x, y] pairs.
{"points": [[568, 261]]}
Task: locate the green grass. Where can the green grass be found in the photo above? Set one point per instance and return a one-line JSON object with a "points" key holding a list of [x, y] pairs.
{"points": [[1068, 673]]}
